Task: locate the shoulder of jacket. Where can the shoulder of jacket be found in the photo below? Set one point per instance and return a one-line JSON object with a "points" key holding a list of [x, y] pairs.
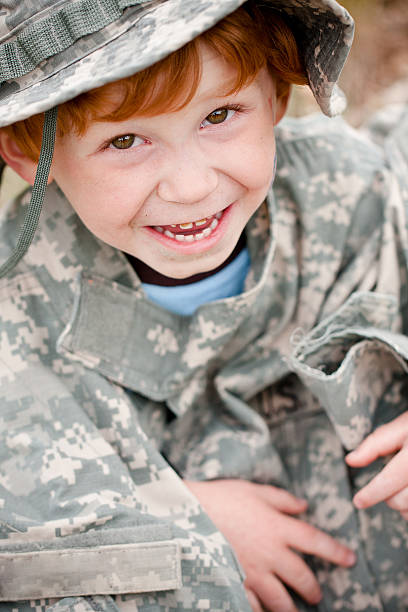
{"points": [[316, 129], [315, 145]]}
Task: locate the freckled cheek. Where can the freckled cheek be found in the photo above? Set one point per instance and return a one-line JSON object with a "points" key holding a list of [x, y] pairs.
{"points": [[118, 212], [254, 157], [258, 170], [106, 205]]}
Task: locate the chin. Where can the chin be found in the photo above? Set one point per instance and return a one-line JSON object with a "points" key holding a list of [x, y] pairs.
{"points": [[182, 272], [200, 265]]}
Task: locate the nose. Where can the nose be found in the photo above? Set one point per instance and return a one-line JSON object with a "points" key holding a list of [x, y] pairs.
{"points": [[188, 177]]}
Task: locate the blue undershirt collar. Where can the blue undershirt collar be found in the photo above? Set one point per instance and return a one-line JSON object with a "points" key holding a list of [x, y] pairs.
{"points": [[185, 299]]}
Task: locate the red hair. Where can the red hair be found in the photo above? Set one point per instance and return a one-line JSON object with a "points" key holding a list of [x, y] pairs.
{"points": [[243, 39]]}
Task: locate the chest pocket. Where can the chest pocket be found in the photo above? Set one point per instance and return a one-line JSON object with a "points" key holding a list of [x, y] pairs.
{"points": [[355, 365]]}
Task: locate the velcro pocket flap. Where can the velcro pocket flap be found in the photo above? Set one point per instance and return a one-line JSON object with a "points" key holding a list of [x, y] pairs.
{"points": [[34, 571]]}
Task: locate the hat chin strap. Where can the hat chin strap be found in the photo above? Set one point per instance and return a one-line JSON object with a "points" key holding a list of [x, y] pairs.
{"points": [[37, 196]]}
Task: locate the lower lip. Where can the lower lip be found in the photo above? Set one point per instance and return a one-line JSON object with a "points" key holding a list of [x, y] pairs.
{"points": [[199, 245]]}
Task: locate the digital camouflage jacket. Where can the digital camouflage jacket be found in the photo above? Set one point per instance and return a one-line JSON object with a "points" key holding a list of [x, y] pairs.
{"points": [[108, 401]]}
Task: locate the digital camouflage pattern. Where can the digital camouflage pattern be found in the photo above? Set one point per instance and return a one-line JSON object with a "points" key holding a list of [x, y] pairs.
{"points": [[108, 399], [53, 50]]}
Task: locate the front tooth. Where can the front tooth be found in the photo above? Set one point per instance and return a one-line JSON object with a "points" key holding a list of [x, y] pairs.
{"points": [[169, 234], [207, 231], [199, 236], [172, 225], [201, 222], [214, 224], [186, 225], [189, 238], [180, 237]]}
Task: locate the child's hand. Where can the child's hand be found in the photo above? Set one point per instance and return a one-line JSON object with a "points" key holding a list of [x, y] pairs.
{"points": [[391, 484], [254, 519]]}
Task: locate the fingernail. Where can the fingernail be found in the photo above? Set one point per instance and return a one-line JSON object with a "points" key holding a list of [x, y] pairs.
{"points": [[359, 504], [351, 558], [317, 596]]}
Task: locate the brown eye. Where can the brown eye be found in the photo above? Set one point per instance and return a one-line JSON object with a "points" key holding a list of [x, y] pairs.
{"points": [[123, 142], [217, 116]]}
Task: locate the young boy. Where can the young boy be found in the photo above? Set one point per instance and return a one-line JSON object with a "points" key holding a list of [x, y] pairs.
{"points": [[150, 353]]}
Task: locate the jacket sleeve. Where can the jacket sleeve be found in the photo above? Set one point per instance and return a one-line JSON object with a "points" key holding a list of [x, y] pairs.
{"points": [[90, 512], [356, 359]]}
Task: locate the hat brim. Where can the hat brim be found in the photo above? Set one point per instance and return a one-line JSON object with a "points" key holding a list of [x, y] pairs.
{"points": [[145, 36], [136, 43]]}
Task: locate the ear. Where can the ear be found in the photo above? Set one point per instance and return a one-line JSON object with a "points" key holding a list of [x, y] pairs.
{"points": [[281, 106], [16, 159]]}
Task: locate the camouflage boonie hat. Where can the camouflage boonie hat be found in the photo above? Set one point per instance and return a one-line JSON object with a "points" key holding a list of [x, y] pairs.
{"points": [[53, 50]]}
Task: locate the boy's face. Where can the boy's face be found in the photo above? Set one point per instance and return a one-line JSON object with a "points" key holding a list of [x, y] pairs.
{"points": [[176, 190]]}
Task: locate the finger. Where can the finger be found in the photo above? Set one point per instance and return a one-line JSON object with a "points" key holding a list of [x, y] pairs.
{"points": [[399, 501], [392, 478], [282, 500], [383, 441], [253, 601], [310, 540], [272, 594], [294, 572]]}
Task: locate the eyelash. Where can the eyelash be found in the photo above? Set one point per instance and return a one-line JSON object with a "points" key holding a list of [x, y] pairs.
{"points": [[107, 145], [237, 108]]}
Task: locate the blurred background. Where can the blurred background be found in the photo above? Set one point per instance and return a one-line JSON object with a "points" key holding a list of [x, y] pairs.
{"points": [[376, 73]]}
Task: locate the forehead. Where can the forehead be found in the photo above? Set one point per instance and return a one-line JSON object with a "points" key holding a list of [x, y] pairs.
{"points": [[217, 79], [217, 76]]}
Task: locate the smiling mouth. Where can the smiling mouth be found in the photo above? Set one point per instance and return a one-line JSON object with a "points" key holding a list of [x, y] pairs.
{"points": [[190, 231]]}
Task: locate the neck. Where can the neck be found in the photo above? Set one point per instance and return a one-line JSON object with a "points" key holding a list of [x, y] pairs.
{"points": [[148, 275]]}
